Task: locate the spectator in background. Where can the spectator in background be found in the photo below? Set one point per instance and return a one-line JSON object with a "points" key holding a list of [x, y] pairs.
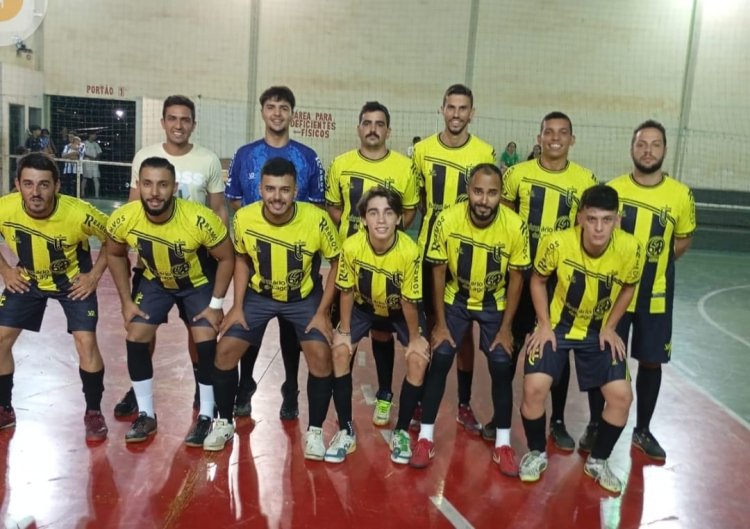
{"points": [[92, 151], [509, 157], [535, 153], [414, 141], [74, 150], [48, 146], [34, 142]]}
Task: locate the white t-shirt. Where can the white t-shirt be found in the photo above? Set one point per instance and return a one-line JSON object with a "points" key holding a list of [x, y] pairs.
{"points": [[198, 172], [91, 170]]}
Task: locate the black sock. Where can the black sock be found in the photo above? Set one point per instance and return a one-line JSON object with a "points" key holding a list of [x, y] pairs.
{"points": [[464, 385], [6, 389], [206, 357], [647, 385], [247, 365], [606, 438], [502, 393], [410, 395], [225, 391], [596, 405], [195, 378], [559, 393], [319, 391], [93, 387], [290, 351], [384, 353], [535, 429], [342, 401], [139, 361], [434, 386]]}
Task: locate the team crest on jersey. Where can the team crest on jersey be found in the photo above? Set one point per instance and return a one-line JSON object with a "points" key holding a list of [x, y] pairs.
{"points": [[562, 223], [497, 253], [602, 307], [570, 197], [58, 243], [655, 247], [294, 279], [59, 266], [298, 249], [179, 249], [398, 279], [609, 279], [393, 301], [664, 216], [492, 280], [180, 270]]}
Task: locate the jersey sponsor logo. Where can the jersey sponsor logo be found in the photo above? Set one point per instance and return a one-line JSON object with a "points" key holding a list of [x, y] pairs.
{"points": [[2, 300], [181, 270], [562, 223], [59, 266], [532, 357], [327, 233], [343, 276], [602, 307], [492, 281], [202, 224], [91, 222], [393, 301], [91, 314], [138, 298], [294, 279], [654, 248]]}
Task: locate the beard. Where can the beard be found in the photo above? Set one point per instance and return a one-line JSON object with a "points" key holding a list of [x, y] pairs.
{"points": [[477, 214], [649, 169], [156, 212]]}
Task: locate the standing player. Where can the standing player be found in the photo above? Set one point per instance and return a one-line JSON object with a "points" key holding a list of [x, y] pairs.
{"points": [[546, 192], [198, 174], [243, 188], [660, 212], [594, 267], [441, 164], [350, 176], [477, 243], [169, 233], [381, 285], [49, 233], [279, 243]]}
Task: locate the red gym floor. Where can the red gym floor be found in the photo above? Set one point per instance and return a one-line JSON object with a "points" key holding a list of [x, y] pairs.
{"points": [[262, 480]]}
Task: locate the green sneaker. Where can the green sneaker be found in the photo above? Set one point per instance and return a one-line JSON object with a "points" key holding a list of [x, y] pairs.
{"points": [[400, 447], [645, 441], [382, 414], [561, 437], [599, 470], [532, 465]]}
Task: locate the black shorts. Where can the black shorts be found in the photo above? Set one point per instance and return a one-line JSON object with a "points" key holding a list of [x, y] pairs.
{"points": [[594, 367], [652, 336], [26, 311], [259, 310], [459, 321], [157, 301], [363, 321]]}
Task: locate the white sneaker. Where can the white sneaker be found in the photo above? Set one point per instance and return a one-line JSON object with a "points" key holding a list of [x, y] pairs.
{"points": [[222, 431], [341, 445], [400, 447], [599, 470], [315, 449]]}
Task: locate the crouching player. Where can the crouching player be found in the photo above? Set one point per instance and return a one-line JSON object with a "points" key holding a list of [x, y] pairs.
{"points": [[595, 267], [380, 278]]}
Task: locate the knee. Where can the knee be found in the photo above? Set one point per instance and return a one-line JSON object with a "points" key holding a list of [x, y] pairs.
{"points": [[415, 368], [85, 343], [228, 354], [619, 397], [319, 358], [535, 389]]}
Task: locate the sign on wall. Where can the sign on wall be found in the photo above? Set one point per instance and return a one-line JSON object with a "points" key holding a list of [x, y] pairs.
{"points": [[313, 124]]}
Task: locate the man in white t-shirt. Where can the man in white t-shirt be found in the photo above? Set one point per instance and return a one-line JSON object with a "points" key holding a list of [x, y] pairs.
{"points": [[199, 179], [92, 151]]}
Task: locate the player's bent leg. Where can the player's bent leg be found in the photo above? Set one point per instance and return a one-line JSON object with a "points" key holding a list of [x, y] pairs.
{"points": [[618, 396], [224, 379], [647, 387], [91, 371], [8, 337], [193, 353], [345, 440], [465, 376], [290, 355], [319, 390], [383, 352], [141, 373], [536, 387]]}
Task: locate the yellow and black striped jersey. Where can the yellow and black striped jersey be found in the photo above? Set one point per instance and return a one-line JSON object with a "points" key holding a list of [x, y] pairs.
{"points": [[380, 281], [54, 250], [443, 173], [584, 287], [351, 175], [546, 200], [656, 215], [478, 258], [285, 259], [173, 251]]}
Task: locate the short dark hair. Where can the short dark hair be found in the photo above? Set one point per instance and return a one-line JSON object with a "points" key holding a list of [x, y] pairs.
{"points": [[459, 90], [157, 162], [600, 196], [556, 115], [486, 168], [280, 93], [650, 124], [178, 100], [39, 161], [32, 128], [374, 106], [416, 139], [279, 167], [393, 199]]}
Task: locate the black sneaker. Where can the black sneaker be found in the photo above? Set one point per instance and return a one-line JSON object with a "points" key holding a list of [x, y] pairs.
{"points": [[645, 441], [587, 440], [199, 432], [127, 406], [143, 427], [197, 399], [243, 402], [561, 437], [289, 406], [489, 432]]}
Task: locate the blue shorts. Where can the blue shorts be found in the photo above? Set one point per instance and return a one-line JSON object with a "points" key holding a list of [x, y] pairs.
{"points": [[594, 367], [26, 311], [259, 310], [652, 336], [157, 301], [363, 321], [459, 321]]}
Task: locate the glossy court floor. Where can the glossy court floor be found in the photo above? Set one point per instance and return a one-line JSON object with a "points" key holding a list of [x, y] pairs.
{"points": [[262, 480]]}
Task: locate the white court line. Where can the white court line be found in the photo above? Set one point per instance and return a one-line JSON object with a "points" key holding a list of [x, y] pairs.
{"points": [[369, 394], [704, 314], [450, 512], [361, 358]]}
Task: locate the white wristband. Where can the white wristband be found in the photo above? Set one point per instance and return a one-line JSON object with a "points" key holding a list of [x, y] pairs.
{"points": [[216, 303]]}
